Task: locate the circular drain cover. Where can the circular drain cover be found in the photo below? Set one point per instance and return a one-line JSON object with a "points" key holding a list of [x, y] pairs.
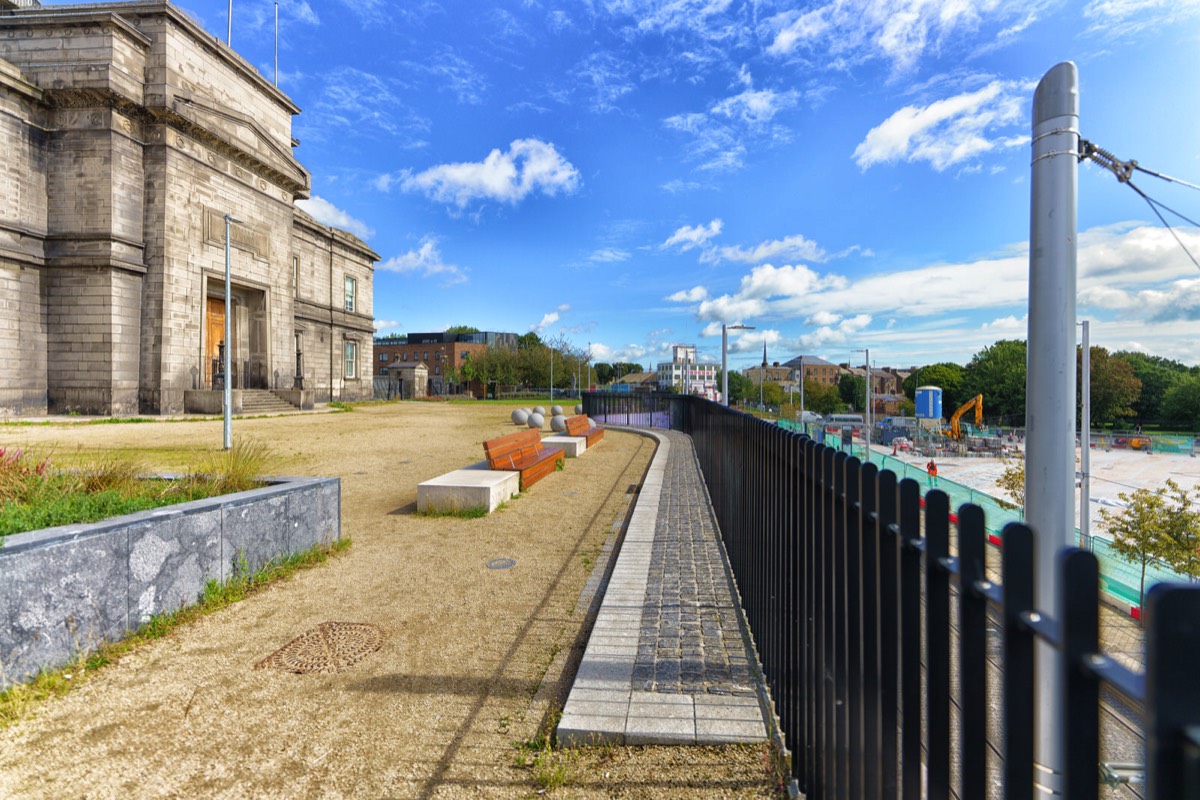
{"points": [[329, 647], [502, 563]]}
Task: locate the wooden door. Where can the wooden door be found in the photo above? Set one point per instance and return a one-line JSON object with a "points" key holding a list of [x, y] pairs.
{"points": [[214, 334]]}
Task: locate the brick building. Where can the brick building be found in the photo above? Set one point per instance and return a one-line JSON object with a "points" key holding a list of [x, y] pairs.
{"points": [[129, 133], [440, 353]]}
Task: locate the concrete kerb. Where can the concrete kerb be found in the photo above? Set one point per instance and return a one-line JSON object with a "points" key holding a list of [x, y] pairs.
{"points": [[602, 706]]}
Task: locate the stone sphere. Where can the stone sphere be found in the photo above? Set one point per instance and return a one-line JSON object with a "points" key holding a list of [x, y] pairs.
{"points": [[579, 408], [558, 424], [520, 416], [556, 411], [536, 420], [539, 410]]}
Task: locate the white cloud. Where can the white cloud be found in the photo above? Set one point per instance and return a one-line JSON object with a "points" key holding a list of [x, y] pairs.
{"points": [[607, 78], [688, 236], [656, 16], [948, 131], [529, 166], [327, 213], [722, 134], [385, 324], [357, 102], [678, 186], [845, 33], [608, 255], [823, 318], [693, 295], [426, 261], [1119, 19], [790, 248]]}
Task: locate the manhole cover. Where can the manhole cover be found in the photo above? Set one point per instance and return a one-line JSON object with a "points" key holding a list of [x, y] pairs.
{"points": [[502, 563], [329, 647]]}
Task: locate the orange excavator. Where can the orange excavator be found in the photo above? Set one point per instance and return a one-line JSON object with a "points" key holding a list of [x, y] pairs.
{"points": [[977, 402]]}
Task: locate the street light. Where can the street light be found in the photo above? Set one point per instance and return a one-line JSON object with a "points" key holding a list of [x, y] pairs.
{"points": [[229, 218], [867, 417], [724, 357]]}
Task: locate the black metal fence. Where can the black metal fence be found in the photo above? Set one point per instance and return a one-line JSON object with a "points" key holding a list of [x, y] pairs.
{"points": [[850, 595]]}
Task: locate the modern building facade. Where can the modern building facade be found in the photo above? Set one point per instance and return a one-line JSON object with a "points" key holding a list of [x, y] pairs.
{"points": [[130, 134], [683, 374]]}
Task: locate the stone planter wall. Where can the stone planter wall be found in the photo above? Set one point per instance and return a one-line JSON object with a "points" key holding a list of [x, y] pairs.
{"points": [[64, 590]]}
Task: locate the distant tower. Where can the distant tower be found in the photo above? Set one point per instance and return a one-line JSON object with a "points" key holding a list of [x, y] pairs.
{"points": [[764, 358]]}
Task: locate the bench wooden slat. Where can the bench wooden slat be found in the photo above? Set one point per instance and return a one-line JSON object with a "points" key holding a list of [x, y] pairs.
{"points": [[580, 425], [524, 452]]}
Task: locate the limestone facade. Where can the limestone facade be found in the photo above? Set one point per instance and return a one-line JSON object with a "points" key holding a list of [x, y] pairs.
{"points": [[129, 133]]}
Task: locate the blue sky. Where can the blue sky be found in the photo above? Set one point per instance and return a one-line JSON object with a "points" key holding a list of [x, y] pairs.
{"points": [[840, 174]]}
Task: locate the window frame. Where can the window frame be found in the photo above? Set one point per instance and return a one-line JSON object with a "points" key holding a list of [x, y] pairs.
{"points": [[350, 360], [351, 286]]}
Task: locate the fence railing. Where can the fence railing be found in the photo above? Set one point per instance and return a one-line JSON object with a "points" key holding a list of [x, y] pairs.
{"points": [[856, 601]]}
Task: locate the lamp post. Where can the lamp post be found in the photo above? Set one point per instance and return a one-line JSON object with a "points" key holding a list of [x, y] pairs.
{"points": [[866, 351], [229, 219], [801, 389], [724, 357]]}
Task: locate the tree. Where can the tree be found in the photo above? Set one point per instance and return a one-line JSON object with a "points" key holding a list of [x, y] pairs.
{"points": [[1012, 483], [1181, 404], [604, 372], [821, 397], [529, 341], [853, 390], [772, 394], [1183, 532], [998, 373], [462, 329], [1114, 387], [740, 387], [1139, 531], [1157, 375], [626, 368], [947, 376]]}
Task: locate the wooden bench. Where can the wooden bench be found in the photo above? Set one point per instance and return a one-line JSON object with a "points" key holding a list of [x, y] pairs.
{"points": [[523, 452], [580, 425]]}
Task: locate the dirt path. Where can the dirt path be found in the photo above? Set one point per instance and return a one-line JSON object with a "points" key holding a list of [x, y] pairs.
{"points": [[436, 711]]}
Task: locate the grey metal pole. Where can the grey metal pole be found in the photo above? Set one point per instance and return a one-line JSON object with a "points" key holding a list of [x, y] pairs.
{"points": [[802, 389], [276, 42], [724, 364], [229, 27], [1085, 443], [1050, 389], [551, 376], [867, 438], [228, 388]]}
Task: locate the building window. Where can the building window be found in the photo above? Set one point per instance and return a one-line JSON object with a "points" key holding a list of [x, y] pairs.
{"points": [[404, 356], [437, 356], [351, 288], [383, 356], [351, 369], [426, 356], [296, 275], [437, 370]]}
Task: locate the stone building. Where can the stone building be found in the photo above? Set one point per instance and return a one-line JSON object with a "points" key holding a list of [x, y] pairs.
{"points": [[128, 134]]}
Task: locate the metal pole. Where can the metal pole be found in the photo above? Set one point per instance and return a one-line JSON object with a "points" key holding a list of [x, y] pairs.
{"points": [[276, 42], [724, 364], [1085, 443], [228, 388], [552, 376], [867, 438], [1050, 389], [229, 28], [801, 389]]}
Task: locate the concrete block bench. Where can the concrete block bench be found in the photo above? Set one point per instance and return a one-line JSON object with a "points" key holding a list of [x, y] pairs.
{"points": [[572, 446], [475, 486]]}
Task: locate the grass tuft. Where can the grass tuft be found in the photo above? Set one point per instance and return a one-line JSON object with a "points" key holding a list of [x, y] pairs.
{"points": [[470, 512], [20, 700], [34, 495]]}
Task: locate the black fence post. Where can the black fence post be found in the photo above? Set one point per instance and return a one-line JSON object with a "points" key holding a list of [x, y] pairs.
{"points": [[910, 638], [889, 633], [972, 649], [1078, 588], [1019, 641], [872, 684], [937, 642], [1172, 691]]}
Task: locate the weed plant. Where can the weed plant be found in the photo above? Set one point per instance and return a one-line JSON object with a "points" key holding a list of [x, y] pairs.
{"points": [[34, 495]]}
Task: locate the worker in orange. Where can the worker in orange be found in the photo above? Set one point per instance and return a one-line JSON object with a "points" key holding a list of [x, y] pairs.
{"points": [[932, 468]]}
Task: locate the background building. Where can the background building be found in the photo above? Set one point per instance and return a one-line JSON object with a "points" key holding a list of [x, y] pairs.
{"points": [[128, 134], [442, 354], [816, 369], [683, 374]]}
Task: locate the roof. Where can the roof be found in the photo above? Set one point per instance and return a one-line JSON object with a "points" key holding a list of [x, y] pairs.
{"points": [[809, 361]]}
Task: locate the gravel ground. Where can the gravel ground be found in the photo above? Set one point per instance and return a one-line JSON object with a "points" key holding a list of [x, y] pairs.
{"points": [[473, 662]]}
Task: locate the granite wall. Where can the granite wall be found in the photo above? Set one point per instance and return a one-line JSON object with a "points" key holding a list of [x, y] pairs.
{"points": [[65, 590]]}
